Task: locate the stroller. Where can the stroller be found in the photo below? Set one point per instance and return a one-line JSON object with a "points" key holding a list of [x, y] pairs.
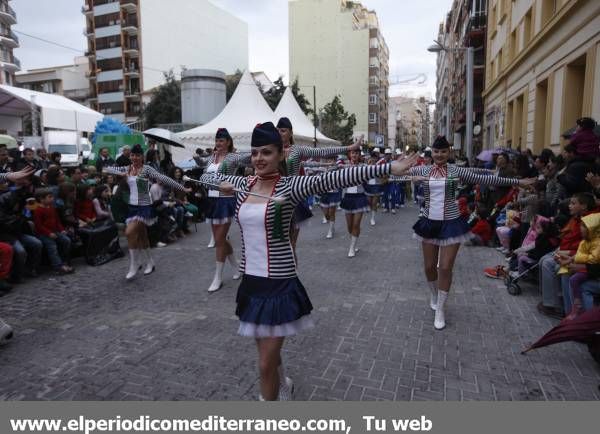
{"points": [[512, 283]]}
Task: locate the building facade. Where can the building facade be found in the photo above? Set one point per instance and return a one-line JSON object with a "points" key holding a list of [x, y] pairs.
{"points": [[9, 64], [132, 43], [465, 26], [408, 124], [70, 81], [344, 53], [543, 71]]}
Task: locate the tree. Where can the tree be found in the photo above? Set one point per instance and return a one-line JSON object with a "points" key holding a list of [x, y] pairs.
{"points": [[274, 95], [336, 122], [231, 83], [302, 100], [165, 105]]}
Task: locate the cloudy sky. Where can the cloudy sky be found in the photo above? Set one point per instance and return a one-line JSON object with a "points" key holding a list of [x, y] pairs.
{"points": [[408, 27]]}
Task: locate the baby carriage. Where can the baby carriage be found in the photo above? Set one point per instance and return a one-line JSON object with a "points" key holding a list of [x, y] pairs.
{"points": [[512, 281]]}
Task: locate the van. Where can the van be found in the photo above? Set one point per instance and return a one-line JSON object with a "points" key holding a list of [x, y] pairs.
{"points": [[67, 143]]}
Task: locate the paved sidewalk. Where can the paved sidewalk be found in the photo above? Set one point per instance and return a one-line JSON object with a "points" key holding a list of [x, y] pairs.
{"points": [[93, 336]]}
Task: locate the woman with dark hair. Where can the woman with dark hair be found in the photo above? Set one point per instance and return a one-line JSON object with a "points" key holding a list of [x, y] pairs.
{"points": [[141, 213], [294, 154], [441, 228], [55, 176], [271, 301], [222, 206], [102, 203], [153, 159], [177, 175]]}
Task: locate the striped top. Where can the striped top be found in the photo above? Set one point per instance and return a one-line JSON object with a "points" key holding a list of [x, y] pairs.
{"points": [[139, 186], [440, 187], [272, 253], [228, 166], [296, 153]]}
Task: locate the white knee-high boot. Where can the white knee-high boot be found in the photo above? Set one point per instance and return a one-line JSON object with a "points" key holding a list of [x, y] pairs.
{"points": [[440, 321], [218, 279], [236, 266], [286, 386], [211, 243], [331, 230], [372, 217], [434, 294], [133, 263], [353, 248], [150, 266]]}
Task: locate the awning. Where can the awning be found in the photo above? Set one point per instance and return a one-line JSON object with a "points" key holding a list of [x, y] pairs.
{"points": [[57, 111]]}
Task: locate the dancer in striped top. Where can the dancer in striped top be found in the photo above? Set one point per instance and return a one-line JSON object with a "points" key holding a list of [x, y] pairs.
{"points": [[271, 301], [141, 213], [222, 207], [441, 229], [294, 155]]}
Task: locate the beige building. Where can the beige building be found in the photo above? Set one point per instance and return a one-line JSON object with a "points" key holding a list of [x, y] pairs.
{"points": [[337, 46], [408, 123], [9, 64], [543, 70]]}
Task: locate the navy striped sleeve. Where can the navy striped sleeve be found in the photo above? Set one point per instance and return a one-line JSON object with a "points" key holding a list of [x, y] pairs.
{"points": [[155, 176], [308, 152], [417, 171], [217, 178], [474, 178]]}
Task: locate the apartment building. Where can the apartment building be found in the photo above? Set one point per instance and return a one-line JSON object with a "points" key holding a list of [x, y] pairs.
{"points": [[408, 123], [464, 26], [543, 70], [9, 64], [132, 43], [70, 81], [344, 54]]}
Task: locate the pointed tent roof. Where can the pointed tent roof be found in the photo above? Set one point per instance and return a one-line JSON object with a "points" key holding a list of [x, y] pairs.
{"points": [[245, 109], [304, 131]]}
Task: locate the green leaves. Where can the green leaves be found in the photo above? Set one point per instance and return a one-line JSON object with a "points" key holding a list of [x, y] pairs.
{"points": [[165, 105], [336, 122]]}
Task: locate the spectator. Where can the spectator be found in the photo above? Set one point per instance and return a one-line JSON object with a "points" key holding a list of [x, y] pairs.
{"points": [[43, 158], [167, 165], [124, 159], [151, 147], [585, 141], [177, 175], [29, 160], [481, 231], [104, 159], [55, 177], [55, 158], [5, 163], [153, 159], [75, 175], [84, 205], [102, 203], [573, 176], [6, 257], [85, 174], [65, 206], [52, 233], [40, 179]]}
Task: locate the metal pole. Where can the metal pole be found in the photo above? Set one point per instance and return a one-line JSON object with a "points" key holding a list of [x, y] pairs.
{"points": [[315, 114], [469, 117]]}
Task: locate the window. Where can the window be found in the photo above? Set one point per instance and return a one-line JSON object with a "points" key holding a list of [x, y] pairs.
{"points": [[372, 118], [373, 99]]}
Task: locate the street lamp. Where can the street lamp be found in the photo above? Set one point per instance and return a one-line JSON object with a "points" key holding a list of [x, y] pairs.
{"points": [[438, 47]]}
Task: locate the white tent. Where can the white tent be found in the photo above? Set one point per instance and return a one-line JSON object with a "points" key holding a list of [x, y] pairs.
{"points": [[56, 111], [245, 109], [304, 131]]}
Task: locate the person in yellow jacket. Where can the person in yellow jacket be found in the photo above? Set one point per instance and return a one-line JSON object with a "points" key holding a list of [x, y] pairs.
{"points": [[587, 254]]}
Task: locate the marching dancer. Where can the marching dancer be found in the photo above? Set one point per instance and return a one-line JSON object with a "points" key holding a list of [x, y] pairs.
{"points": [[374, 188], [271, 301], [141, 213], [294, 155], [354, 204], [440, 228], [223, 161]]}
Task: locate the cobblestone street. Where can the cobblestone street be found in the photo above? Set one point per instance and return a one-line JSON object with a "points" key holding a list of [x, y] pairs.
{"points": [[93, 336]]}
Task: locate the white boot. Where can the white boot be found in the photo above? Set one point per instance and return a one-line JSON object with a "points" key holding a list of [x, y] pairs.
{"points": [[211, 243], [286, 386], [440, 321], [331, 230], [434, 294], [133, 263], [218, 279], [324, 221], [236, 266], [353, 249], [372, 218], [150, 266]]}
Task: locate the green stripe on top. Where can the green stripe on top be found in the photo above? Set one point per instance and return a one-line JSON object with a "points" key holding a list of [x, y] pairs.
{"points": [[142, 185]]}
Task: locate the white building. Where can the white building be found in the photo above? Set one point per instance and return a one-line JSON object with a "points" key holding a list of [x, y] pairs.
{"points": [[131, 43], [9, 64], [70, 81]]}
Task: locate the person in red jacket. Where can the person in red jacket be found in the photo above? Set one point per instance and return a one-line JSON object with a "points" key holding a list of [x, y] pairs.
{"points": [[52, 233], [585, 141], [6, 260], [84, 204], [481, 231]]}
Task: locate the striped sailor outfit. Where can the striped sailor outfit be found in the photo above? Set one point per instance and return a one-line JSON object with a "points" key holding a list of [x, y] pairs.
{"points": [[440, 222], [295, 155], [355, 200], [374, 187], [140, 202], [271, 301], [222, 208]]}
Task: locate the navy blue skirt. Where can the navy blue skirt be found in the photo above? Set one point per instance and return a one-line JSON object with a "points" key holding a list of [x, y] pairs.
{"points": [[331, 199], [373, 189], [272, 307], [354, 203], [221, 210], [442, 232], [144, 214], [302, 212]]}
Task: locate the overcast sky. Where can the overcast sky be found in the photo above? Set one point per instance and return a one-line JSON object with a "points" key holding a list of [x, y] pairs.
{"points": [[408, 27]]}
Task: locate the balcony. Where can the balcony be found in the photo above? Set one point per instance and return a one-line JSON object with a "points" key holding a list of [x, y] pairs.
{"points": [[130, 26], [87, 10], [129, 5], [7, 15], [477, 23], [88, 33], [131, 51], [91, 54], [132, 94], [132, 72], [9, 39], [9, 63]]}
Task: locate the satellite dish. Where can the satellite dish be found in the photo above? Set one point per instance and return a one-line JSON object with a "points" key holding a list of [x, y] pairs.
{"points": [[476, 130]]}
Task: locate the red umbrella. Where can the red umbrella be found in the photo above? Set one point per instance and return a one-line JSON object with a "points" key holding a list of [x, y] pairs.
{"points": [[584, 328]]}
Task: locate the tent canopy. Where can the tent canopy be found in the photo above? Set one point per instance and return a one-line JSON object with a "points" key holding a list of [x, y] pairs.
{"points": [[304, 131], [57, 111], [245, 109]]}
